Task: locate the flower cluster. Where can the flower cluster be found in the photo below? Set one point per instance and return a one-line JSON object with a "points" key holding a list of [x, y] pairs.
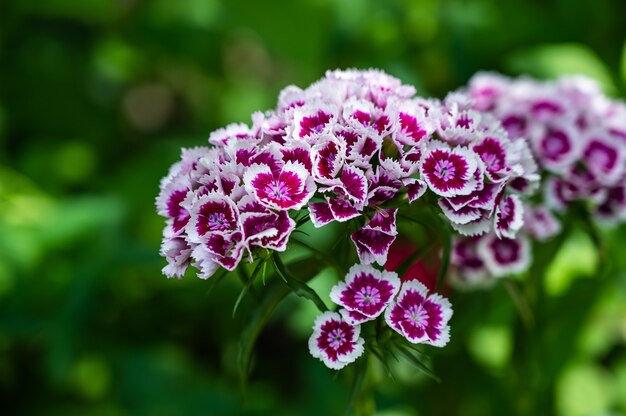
{"points": [[500, 162], [367, 293], [349, 145], [577, 137]]}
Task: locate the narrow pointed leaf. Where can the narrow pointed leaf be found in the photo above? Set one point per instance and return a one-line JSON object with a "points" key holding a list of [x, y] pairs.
{"points": [[298, 287], [416, 362]]}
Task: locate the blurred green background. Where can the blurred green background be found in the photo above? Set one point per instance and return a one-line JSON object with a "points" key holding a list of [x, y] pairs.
{"points": [[96, 99]]}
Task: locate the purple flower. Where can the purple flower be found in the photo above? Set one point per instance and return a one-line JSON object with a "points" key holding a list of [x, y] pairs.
{"points": [[556, 147], [177, 252], [509, 216], [504, 256], [492, 152], [449, 171], [291, 188], [540, 222], [212, 213], [328, 157], [373, 240], [366, 290], [334, 341], [465, 258], [267, 229], [605, 160], [419, 317]]}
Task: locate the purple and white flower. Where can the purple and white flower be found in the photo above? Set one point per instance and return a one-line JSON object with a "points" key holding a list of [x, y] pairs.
{"points": [[291, 188], [449, 171], [509, 216], [374, 239], [419, 317], [366, 290], [334, 341], [504, 256]]}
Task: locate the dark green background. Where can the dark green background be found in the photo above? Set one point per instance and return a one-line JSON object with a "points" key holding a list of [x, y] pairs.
{"points": [[96, 99]]}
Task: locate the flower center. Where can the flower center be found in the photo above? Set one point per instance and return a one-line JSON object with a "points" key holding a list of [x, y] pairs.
{"points": [[336, 338], [368, 295], [217, 221], [445, 170], [277, 190], [417, 315]]}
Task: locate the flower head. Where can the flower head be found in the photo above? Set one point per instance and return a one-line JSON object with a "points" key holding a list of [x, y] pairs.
{"points": [[419, 317], [334, 341], [366, 290]]}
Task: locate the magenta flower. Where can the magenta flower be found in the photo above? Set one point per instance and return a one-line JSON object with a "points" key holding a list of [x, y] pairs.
{"points": [[449, 171], [212, 213], [291, 188], [419, 317], [509, 217], [334, 341], [328, 158], [503, 256], [413, 126], [468, 263], [605, 160], [557, 147], [313, 120], [366, 290], [540, 222], [177, 252], [373, 240]]}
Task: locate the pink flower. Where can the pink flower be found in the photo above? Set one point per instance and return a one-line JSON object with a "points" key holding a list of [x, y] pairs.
{"points": [[449, 171], [509, 216], [291, 188], [419, 317], [177, 252], [212, 213], [605, 160], [366, 290], [504, 256], [465, 258], [334, 341], [313, 120], [373, 240], [540, 222]]}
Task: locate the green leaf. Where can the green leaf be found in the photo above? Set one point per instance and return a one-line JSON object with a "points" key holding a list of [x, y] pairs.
{"points": [[383, 360], [415, 361], [260, 316], [248, 284], [553, 60], [328, 259], [261, 313], [360, 371], [298, 287], [445, 255]]}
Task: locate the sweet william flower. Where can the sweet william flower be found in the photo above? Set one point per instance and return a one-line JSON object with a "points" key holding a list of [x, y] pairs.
{"points": [[334, 341], [503, 256], [372, 241], [449, 171], [291, 188], [419, 317], [366, 290]]}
